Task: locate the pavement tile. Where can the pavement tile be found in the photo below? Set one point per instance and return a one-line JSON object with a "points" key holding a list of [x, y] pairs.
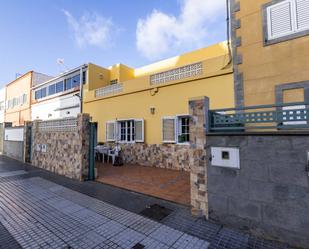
{"points": [[50, 213], [166, 235]]}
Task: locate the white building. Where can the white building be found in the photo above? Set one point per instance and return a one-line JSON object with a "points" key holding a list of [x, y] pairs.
{"points": [[2, 104], [59, 97]]}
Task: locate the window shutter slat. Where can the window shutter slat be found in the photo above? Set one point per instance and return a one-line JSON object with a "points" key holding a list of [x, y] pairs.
{"points": [[280, 19], [139, 130], [110, 131], [302, 14], [168, 129]]}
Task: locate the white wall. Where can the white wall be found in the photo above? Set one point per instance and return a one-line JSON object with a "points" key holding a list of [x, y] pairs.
{"points": [[55, 108], [14, 134], [2, 103]]}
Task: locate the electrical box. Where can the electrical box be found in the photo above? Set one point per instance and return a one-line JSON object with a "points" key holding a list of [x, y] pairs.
{"points": [[227, 157]]}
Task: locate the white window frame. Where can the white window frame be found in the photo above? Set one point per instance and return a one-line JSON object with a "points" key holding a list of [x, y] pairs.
{"points": [[293, 20], [118, 125], [178, 128], [162, 128], [106, 131], [143, 130], [117, 131]]}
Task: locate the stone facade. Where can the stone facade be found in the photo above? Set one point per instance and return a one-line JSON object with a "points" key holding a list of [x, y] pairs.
{"points": [[199, 201], [66, 152], [190, 158], [168, 156], [269, 195]]}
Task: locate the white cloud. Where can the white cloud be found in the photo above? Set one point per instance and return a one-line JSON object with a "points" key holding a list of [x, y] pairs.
{"points": [[158, 33], [91, 29]]}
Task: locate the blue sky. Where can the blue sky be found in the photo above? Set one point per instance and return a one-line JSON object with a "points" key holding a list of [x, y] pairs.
{"points": [[35, 33]]}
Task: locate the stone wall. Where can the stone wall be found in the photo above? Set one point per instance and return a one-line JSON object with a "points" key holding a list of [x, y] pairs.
{"points": [[168, 156], [60, 150], [269, 195]]}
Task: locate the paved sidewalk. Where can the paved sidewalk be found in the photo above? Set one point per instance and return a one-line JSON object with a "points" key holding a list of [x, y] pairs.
{"points": [[42, 214], [38, 204]]}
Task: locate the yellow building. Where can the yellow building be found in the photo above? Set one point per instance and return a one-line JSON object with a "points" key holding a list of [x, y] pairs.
{"points": [[271, 51], [18, 97], [147, 107]]}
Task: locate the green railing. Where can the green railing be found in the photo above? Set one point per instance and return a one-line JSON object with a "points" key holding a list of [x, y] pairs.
{"points": [[278, 117]]}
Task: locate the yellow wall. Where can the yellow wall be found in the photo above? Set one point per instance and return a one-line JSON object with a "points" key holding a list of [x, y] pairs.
{"points": [[264, 67], [98, 76], [169, 99], [21, 113], [214, 51], [121, 72], [293, 95]]}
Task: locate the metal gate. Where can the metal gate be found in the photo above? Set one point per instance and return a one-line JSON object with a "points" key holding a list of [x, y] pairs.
{"points": [[92, 144]]}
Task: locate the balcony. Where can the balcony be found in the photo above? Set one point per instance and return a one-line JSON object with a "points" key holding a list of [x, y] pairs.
{"points": [[292, 116]]}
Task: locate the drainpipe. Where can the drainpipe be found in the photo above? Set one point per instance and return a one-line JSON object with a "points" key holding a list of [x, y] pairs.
{"points": [[81, 86], [228, 29]]}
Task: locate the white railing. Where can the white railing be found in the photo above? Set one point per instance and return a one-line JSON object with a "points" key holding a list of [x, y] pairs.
{"points": [[58, 125], [108, 90], [177, 74]]}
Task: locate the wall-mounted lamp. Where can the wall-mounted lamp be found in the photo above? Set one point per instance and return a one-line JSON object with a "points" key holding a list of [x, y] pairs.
{"points": [[152, 110]]}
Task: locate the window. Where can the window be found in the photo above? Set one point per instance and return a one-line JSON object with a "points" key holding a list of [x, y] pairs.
{"points": [[68, 83], [76, 81], [37, 94], [43, 92], [176, 129], [168, 130], [52, 89], [24, 99], [289, 17], [183, 130], [1, 105], [59, 87], [112, 82], [110, 131], [125, 131]]}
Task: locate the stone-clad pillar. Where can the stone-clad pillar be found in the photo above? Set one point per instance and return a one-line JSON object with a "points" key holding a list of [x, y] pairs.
{"points": [[198, 176], [83, 124]]}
